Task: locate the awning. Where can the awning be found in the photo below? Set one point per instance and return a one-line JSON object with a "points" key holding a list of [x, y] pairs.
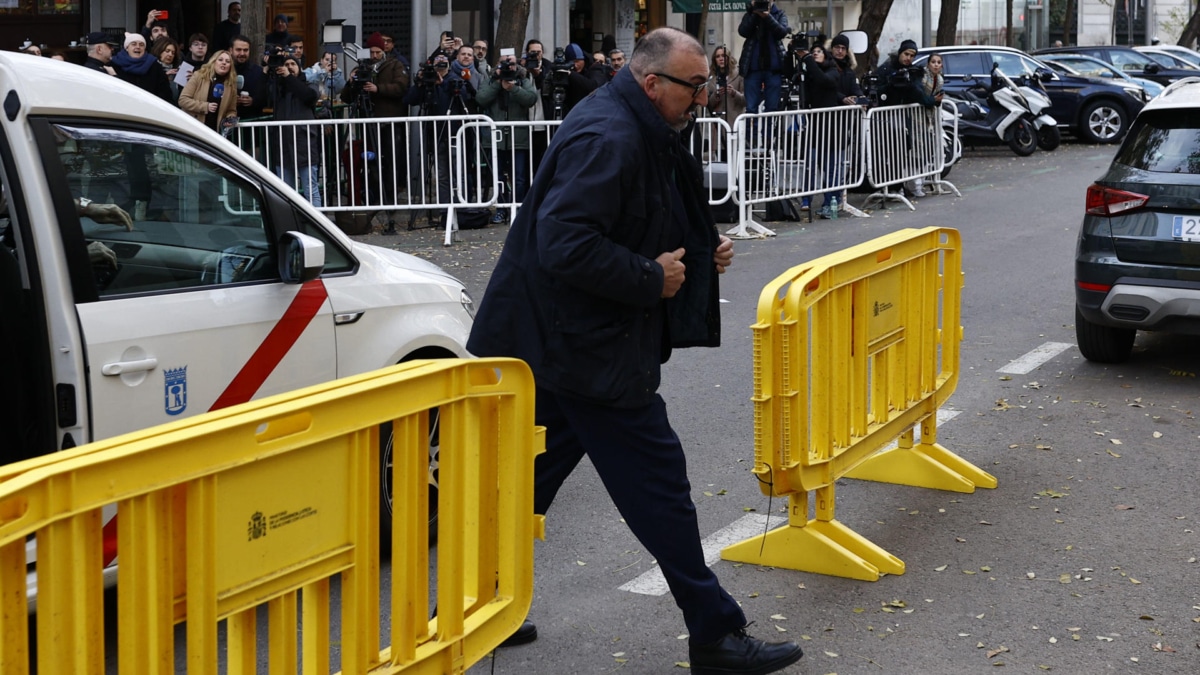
{"points": [[694, 6]]}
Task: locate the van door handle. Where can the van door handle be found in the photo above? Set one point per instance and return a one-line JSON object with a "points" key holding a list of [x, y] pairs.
{"points": [[122, 367]]}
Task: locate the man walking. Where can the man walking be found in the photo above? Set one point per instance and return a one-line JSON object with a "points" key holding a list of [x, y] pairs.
{"points": [[611, 262]]}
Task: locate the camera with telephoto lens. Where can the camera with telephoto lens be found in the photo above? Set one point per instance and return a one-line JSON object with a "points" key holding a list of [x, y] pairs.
{"points": [[506, 71], [533, 62], [277, 55], [760, 5]]}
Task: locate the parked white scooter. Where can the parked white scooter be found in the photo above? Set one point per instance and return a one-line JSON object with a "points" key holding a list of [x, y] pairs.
{"points": [[1049, 136], [1006, 115]]}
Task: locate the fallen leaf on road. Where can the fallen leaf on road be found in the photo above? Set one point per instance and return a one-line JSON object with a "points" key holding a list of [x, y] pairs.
{"points": [[1124, 507], [994, 652], [1114, 441]]}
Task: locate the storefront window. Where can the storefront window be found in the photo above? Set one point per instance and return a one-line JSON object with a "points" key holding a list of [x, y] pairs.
{"points": [[38, 7]]}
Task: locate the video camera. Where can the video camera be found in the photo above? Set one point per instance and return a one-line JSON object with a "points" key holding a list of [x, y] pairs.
{"points": [[560, 70], [428, 74], [277, 55], [507, 71], [759, 5], [533, 62], [802, 41], [908, 74], [365, 71]]}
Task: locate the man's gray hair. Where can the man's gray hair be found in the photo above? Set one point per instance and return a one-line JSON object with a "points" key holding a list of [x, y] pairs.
{"points": [[655, 48]]}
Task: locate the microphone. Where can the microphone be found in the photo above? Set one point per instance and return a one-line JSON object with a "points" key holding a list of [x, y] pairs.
{"points": [[241, 82], [218, 90]]}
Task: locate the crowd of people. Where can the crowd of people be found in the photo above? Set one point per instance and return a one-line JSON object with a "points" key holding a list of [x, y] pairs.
{"points": [[226, 80]]}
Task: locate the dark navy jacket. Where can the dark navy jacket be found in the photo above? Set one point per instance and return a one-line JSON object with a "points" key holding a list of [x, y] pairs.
{"points": [[576, 292], [757, 31]]}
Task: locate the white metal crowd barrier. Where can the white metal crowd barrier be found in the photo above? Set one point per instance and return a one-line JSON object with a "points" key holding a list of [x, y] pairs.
{"points": [[903, 143], [448, 163], [794, 154]]}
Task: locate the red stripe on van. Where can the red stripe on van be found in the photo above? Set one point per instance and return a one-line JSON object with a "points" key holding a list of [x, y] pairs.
{"points": [[262, 363]]}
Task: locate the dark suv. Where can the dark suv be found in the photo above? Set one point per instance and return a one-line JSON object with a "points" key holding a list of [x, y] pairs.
{"points": [[1128, 60], [1097, 111], [1137, 265]]}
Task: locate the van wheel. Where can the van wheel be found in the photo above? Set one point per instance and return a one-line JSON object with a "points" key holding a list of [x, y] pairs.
{"points": [[1102, 344], [1049, 138], [385, 481], [1103, 122], [1022, 138]]}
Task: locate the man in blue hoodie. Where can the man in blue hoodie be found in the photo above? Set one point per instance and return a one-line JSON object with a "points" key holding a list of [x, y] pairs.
{"points": [[764, 26], [611, 262]]}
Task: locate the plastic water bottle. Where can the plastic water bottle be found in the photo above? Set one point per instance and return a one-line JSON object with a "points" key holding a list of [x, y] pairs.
{"points": [[368, 155], [833, 209]]}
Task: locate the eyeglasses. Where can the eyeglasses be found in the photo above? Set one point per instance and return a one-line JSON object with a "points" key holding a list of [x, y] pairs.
{"points": [[696, 88], [481, 48]]}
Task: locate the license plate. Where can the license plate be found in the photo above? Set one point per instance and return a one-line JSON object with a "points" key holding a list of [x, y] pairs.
{"points": [[1186, 228]]}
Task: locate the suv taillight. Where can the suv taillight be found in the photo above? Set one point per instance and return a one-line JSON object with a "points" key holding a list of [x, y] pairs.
{"points": [[1104, 201]]}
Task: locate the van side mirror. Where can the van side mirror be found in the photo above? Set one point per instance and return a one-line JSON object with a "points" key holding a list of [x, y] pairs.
{"points": [[1151, 68], [301, 258]]}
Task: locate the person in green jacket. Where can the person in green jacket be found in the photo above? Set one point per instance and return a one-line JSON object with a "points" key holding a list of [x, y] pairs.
{"points": [[509, 95]]}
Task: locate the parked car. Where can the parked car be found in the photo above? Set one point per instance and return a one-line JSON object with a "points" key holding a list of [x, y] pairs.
{"points": [[1179, 51], [1137, 262], [1127, 59], [1095, 110], [1166, 59], [1087, 66]]}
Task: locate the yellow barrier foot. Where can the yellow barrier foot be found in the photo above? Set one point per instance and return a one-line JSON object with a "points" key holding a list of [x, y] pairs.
{"points": [[927, 466], [821, 547]]}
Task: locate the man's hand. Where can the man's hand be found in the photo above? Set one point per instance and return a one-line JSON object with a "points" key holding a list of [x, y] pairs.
{"points": [[672, 271], [723, 256], [99, 254], [507, 85], [370, 87], [281, 71], [151, 17], [107, 213], [244, 100]]}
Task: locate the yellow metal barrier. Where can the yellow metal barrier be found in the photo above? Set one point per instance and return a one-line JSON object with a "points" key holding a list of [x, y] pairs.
{"points": [[851, 351], [264, 504]]}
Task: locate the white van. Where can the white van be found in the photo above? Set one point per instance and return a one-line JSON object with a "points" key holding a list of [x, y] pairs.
{"points": [[227, 286]]}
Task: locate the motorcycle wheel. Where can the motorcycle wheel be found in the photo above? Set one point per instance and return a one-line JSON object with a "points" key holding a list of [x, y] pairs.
{"points": [[1049, 138], [1022, 138]]}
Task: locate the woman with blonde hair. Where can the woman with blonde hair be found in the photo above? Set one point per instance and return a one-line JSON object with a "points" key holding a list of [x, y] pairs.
{"points": [[211, 93]]}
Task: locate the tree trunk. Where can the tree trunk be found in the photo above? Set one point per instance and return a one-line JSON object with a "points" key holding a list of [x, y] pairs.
{"points": [[255, 26], [1069, 23], [874, 14], [703, 28], [510, 29], [947, 30], [1191, 32]]}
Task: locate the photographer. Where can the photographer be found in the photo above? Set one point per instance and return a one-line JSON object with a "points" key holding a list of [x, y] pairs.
{"points": [[377, 88], [295, 151], [764, 26], [565, 85], [510, 96], [899, 80], [439, 90]]}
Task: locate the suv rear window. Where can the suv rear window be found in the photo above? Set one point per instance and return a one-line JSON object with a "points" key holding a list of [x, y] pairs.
{"points": [[1166, 141]]}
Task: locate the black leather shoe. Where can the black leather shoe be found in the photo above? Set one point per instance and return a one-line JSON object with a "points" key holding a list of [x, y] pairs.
{"points": [[525, 634], [739, 653]]}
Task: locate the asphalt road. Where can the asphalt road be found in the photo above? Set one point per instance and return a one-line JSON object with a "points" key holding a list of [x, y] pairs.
{"points": [[1082, 560]]}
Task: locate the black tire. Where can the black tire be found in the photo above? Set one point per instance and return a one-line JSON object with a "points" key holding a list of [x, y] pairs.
{"points": [[1103, 344], [953, 155], [1103, 121], [1049, 138], [1022, 138], [385, 482]]}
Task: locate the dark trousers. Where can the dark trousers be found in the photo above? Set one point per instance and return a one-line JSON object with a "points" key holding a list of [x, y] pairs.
{"points": [[641, 462]]}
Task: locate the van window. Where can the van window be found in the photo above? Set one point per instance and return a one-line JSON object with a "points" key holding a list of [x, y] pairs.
{"points": [[195, 222]]}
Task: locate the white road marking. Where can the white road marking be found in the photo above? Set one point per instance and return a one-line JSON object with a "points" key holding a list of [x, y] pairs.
{"points": [[1035, 358], [652, 582], [749, 525]]}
